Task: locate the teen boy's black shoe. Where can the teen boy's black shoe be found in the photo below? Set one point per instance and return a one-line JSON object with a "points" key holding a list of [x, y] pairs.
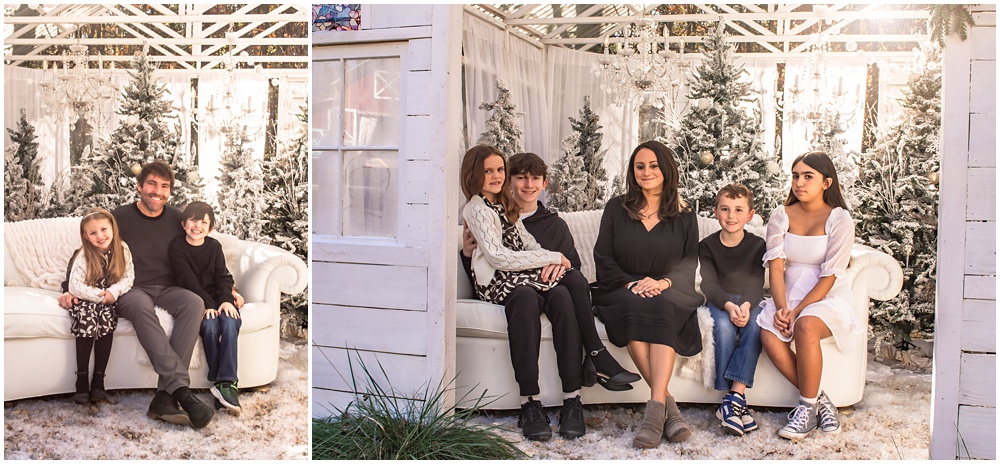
{"points": [[533, 421], [164, 407], [571, 423], [228, 394], [200, 413]]}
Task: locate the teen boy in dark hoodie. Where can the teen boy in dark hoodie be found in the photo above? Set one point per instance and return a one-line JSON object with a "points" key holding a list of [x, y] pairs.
{"points": [[528, 179]]}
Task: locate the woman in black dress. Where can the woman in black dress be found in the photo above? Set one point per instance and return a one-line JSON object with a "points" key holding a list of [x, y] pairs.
{"points": [[646, 255]]}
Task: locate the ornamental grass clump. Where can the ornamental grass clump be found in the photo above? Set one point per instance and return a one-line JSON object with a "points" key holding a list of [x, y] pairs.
{"points": [[381, 423]]}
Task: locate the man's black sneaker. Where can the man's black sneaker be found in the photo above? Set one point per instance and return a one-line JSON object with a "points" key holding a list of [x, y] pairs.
{"points": [[533, 421], [228, 394], [571, 423], [200, 413], [164, 407]]}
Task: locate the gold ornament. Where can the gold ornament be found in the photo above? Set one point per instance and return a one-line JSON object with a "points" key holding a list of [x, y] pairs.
{"points": [[934, 177], [707, 157], [136, 169]]}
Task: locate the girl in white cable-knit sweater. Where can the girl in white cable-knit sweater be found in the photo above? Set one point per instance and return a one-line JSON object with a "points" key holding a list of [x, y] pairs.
{"points": [[100, 272], [510, 268]]}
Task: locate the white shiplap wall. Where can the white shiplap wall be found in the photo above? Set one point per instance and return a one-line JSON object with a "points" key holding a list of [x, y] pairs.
{"points": [[963, 416], [388, 299]]}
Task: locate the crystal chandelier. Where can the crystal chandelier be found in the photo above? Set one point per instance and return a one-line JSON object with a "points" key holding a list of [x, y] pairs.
{"points": [[813, 95], [639, 71], [225, 113], [76, 91]]}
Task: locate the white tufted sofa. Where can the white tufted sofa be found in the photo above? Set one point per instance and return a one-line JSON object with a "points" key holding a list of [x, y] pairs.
{"points": [[483, 360], [40, 354]]}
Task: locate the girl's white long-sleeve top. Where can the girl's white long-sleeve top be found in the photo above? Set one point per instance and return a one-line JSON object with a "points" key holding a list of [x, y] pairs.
{"points": [[78, 275], [490, 254]]}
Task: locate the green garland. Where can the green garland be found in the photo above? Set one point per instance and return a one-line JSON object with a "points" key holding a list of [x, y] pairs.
{"points": [[948, 19]]}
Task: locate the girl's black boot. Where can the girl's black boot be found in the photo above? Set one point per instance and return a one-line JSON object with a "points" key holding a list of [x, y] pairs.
{"points": [[82, 395], [97, 393]]}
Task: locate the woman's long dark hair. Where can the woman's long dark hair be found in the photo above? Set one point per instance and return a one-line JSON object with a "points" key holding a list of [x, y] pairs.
{"points": [[822, 163], [473, 175], [671, 203]]}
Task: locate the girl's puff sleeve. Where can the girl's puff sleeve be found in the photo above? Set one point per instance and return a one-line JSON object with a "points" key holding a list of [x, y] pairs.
{"points": [[485, 226], [777, 225], [77, 281], [840, 233]]}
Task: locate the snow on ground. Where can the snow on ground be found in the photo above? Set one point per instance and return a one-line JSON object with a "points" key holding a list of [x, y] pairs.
{"points": [[274, 424], [890, 422]]}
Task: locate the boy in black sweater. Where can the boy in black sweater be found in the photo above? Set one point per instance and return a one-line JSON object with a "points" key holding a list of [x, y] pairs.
{"points": [[200, 266], [732, 279]]}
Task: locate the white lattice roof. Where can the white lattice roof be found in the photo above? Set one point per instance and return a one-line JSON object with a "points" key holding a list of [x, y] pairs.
{"points": [[183, 38], [775, 30]]}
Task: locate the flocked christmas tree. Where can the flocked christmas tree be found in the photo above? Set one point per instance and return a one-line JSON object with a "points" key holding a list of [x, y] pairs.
{"points": [[240, 198], [898, 203], [24, 195], [147, 133], [14, 185], [579, 179], [286, 190], [502, 130], [720, 141], [827, 136]]}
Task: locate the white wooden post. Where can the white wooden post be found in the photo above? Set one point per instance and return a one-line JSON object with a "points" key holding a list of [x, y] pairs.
{"points": [[963, 405]]}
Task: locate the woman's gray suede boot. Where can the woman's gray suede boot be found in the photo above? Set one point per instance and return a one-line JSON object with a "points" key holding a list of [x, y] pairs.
{"points": [[674, 427], [651, 428]]}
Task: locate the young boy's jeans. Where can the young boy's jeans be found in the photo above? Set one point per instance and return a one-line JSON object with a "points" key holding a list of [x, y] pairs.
{"points": [[218, 337], [736, 348]]}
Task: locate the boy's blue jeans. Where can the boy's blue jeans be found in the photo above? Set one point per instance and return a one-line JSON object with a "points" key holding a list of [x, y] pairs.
{"points": [[736, 348], [218, 337]]}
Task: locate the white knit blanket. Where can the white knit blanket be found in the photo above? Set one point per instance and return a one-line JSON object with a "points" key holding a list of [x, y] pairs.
{"points": [[701, 367], [40, 249]]}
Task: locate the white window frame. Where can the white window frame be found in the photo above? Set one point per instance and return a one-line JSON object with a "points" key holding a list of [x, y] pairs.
{"points": [[342, 52]]}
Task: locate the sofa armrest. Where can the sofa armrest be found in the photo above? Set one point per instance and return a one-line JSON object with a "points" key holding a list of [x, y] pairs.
{"points": [[872, 274], [262, 272]]}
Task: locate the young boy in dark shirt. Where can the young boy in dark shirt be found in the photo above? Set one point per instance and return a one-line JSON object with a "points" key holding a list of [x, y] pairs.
{"points": [[732, 279], [200, 266]]}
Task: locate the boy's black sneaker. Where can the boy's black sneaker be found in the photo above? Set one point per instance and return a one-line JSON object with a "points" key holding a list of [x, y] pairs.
{"points": [[228, 394], [571, 423], [164, 407], [200, 413], [533, 421]]}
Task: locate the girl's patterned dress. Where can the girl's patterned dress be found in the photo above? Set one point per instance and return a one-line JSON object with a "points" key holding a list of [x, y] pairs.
{"points": [[503, 281], [95, 320]]}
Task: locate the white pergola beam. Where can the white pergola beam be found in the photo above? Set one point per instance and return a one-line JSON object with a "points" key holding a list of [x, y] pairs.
{"points": [[175, 59], [234, 18], [243, 41], [523, 10], [804, 16], [590, 11], [752, 39]]}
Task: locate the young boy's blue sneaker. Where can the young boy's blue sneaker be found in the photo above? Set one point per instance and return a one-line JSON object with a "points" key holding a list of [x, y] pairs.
{"points": [[229, 395], [730, 412]]}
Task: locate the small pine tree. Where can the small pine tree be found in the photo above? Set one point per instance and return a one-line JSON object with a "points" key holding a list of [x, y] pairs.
{"points": [[898, 203], [719, 143], [580, 175], [26, 156], [502, 130], [14, 185], [145, 134], [241, 198], [568, 180], [828, 138]]}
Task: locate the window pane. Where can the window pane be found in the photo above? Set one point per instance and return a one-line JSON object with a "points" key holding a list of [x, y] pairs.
{"points": [[327, 184], [326, 102], [370, 193], [371, 102]]}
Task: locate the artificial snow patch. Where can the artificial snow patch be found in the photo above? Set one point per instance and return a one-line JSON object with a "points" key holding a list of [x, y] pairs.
{"points": [[274, 424], [890, 422]]}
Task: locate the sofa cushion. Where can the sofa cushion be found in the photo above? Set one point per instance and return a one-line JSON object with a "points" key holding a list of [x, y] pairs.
{"points": [[479, 319], [33, 313]]}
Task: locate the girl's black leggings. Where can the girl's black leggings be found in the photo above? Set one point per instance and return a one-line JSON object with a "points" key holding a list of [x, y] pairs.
{"points": [[102, 352]]}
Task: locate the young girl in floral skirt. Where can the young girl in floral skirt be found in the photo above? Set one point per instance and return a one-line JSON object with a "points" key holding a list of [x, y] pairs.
{"points": [[100, 272]]}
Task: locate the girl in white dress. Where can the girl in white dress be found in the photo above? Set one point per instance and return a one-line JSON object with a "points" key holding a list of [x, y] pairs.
{"points": [[809, 242]]}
